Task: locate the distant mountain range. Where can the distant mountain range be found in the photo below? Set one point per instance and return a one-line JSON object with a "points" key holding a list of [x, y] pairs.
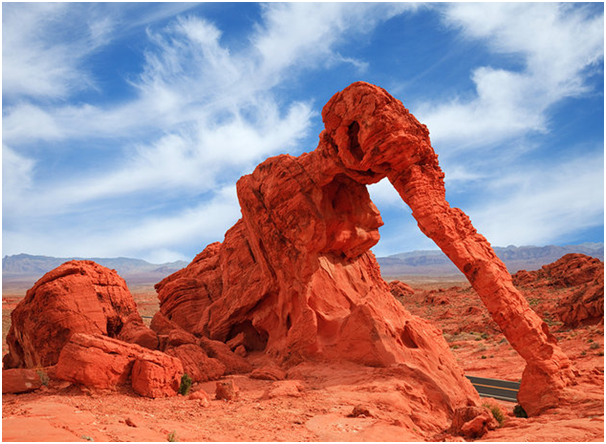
{"points": [[435, 263], [25, 269]]}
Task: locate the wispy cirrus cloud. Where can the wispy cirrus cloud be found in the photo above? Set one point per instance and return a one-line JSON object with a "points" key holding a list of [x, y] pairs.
{"points": [[546, 39], [200, 116], [534, 205]]}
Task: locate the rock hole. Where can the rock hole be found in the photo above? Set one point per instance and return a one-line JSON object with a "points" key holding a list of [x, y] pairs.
{"points": [[113, 327], [354, 144], [288, 323], [254, 339]]}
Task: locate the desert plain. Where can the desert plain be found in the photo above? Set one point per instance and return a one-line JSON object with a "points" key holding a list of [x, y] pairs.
{"points": [[317, 407]]}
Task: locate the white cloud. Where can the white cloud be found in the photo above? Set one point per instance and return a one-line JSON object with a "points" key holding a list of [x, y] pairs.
{"points": [[154, 238], [535, 205], [556, 45], [204, 115], [17, 178], [38, 59]]}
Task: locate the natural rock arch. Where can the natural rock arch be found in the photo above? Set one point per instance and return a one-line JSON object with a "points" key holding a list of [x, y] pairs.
{"points": [[295, 275]]}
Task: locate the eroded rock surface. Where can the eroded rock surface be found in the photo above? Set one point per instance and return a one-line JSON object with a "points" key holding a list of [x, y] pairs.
{"points": [[296, 278], [104, 363], [584, 277], [76, 297]]}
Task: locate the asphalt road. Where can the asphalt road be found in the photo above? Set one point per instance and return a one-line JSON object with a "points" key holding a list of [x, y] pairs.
{"points": [[496, 388]]}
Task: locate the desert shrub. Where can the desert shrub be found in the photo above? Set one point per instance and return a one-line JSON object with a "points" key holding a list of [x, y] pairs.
{"points": [[496, 411], [483, 356], [484, 335], [519, 411], [186, 382], [172, 437], [594, 345], [43, 376]]}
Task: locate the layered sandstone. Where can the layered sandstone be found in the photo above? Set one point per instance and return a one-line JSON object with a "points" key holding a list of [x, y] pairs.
{"points": [[582, 278], [105, 363], [76, 297], [295, 278]]}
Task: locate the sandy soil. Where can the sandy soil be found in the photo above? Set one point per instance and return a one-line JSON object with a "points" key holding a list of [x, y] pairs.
{"points": [[313, 404]]}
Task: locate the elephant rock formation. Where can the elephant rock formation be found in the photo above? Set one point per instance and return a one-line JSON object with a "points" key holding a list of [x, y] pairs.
{"points": [[294, 276]]}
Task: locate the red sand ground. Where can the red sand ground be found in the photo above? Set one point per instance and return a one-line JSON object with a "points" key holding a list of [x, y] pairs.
{"points": [[316, 408]]}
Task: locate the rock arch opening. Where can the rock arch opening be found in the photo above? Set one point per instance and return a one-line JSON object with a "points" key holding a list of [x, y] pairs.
{"points": [[304, 237]]}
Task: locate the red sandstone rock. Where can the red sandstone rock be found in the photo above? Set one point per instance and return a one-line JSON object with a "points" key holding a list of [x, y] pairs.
{"points": [[583, 275], [241, 351], [161, 324], [570, 270], [584, 306], [201, 396], [435, 298], [233, 363], [135, 332], [472, 422], [296, 278], [76, 297], [360, 411], [96, 361], [281, 389], [400, 289], [101, 362], [227, 391], [20, 380], [156, 376], [270, 373], [196, 363]]}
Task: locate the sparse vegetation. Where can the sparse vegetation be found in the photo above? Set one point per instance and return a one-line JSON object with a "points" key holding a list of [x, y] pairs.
{"points": [[519, 411], [496, 411], [172, 437], [594, 346], [43, 376], [186, 383]]}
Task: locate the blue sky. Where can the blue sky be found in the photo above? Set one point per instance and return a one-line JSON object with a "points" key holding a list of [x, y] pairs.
{"points": [[125, 126]]}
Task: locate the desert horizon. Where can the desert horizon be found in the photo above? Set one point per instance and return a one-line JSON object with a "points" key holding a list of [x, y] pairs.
{"points": [[281, 222]]}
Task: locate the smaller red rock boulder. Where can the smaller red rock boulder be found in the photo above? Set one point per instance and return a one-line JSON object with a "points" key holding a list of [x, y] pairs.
{"points": [[196, 363], [472, 422], [101, 362], [234, 364], [399, 289], [21, 380], [156, 376]]}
